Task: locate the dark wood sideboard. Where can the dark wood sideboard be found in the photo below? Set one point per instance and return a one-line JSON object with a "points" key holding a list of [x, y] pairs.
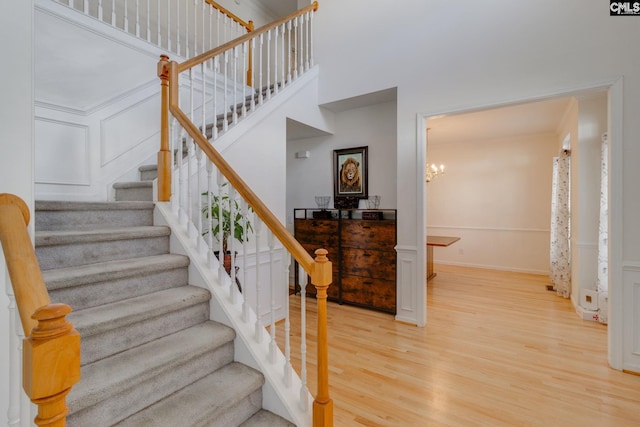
{"points": [[362, 252]]}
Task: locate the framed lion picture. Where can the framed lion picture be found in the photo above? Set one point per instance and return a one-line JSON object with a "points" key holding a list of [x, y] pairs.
{"points": [[350, 174]]}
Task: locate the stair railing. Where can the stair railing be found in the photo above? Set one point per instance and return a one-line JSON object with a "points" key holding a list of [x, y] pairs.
{"points": [[284, 52], [51, 349], [184, 28]]}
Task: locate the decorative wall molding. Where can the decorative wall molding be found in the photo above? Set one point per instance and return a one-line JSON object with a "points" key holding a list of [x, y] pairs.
{"points": [[134, 116], [407, 294], [71, 139], [490, 229]]}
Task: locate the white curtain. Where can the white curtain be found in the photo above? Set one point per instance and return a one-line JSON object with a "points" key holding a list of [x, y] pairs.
{"points": [[603, 238], [560, 250]]}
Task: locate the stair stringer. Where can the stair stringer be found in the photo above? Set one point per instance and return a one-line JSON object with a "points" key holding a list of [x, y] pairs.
{"points": [[278, 398]]}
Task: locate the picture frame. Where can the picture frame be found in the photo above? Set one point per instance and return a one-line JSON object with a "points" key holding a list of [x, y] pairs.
{"points": [[350, 173]]}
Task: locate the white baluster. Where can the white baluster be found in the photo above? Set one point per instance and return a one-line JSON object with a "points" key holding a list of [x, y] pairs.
{"points": [[235, 85], [148, 21], [113, 12], [190, 225], [182, 182], [288, 369], [308, 35], [311, 56], [216, 67], [100, 10], [283, 56], [245, 48], [204, 48], [85, 7], [269, 64], [220, 220], [253, 80], [138, 17], [300, 54], [232, 243], [195, 27], [186, 29], [260, 87], [126, 16], [210, 28], [273, 283], [204, 99], [289, 52], [158, 30], [295, 47], [225, 122], [178, 26], [304, 401], [275, 60], [258, 325], [245, 222], [169, 25], [173, 146], [200, 223], [210, 212]]}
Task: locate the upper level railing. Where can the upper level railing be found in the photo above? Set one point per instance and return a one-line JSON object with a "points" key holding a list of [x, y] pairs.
{"points": [[206, 95], [51, 349], [184, 28]]}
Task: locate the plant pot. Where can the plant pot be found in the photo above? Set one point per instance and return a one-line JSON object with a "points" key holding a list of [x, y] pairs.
{"points": [[227, 265]]}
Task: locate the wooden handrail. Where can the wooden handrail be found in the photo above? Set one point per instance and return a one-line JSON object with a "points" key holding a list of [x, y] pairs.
{"points": [[197, 60], [169, 69], [51, 349], [247, 25]]}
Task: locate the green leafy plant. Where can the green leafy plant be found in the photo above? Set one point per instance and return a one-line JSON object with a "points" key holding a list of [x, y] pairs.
{"points": [[219, 208]]}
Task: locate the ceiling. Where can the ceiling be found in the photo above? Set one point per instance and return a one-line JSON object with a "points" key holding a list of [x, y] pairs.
{"points": [[519, 119]]}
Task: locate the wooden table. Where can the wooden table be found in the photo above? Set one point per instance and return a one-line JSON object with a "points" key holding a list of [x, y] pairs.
{"points": [[436, 241]]}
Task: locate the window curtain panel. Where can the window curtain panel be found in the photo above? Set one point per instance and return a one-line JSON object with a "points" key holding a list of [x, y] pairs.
{"points": [[560, 250], [603, 231]]}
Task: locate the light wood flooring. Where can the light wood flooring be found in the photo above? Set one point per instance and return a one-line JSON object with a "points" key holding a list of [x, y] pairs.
{"points": [[498, 350]]}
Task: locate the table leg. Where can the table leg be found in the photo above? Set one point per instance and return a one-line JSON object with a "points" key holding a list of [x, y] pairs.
{"points": [[430, 273]]}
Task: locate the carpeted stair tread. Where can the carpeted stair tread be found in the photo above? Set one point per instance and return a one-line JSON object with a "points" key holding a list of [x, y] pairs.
{"points": [[111, 270], [90, 285], [207, 402], [56, 215], [100, 319], [133, 379], [55, 205], [112, 328], [264, 418], [62, 237], [133, 184], [60, 249]]}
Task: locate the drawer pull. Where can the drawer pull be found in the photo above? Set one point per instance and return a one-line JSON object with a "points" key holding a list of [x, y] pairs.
{"points": [[366, 226], [366, 254]]}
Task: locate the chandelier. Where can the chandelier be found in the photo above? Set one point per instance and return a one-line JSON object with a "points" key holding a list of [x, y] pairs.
{"points": [[434, 171]]}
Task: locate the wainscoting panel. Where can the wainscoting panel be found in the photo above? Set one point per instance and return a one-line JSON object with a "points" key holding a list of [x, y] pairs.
{"points": [[407, 293], [274, 277], [126, 129], [61, 153], [631, 320]]}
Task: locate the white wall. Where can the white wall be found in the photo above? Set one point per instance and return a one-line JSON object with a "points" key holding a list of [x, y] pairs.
{"points": [[373, 126], [446, 57], [16, 144], [496, 196]]}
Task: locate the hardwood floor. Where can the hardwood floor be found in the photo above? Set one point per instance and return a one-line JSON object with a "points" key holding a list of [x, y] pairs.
{"points": [[498, 350]]}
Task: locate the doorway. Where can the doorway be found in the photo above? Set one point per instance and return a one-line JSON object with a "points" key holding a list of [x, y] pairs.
{"points": [[610, 96]]}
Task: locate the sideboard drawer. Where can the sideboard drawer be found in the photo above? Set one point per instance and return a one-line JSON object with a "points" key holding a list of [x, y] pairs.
{"points": [[369, 234], [369, 263], [367, 291]]}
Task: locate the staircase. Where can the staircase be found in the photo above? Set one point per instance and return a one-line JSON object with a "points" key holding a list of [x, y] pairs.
{"points": [[150, 355]]}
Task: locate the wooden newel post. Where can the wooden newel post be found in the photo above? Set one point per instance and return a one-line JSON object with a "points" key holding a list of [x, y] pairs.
{"points": [[51, 364], [321, 278], [164, 155]]}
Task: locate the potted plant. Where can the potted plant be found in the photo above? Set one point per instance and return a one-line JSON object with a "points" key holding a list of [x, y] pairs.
{"points": [[219, 208]]}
